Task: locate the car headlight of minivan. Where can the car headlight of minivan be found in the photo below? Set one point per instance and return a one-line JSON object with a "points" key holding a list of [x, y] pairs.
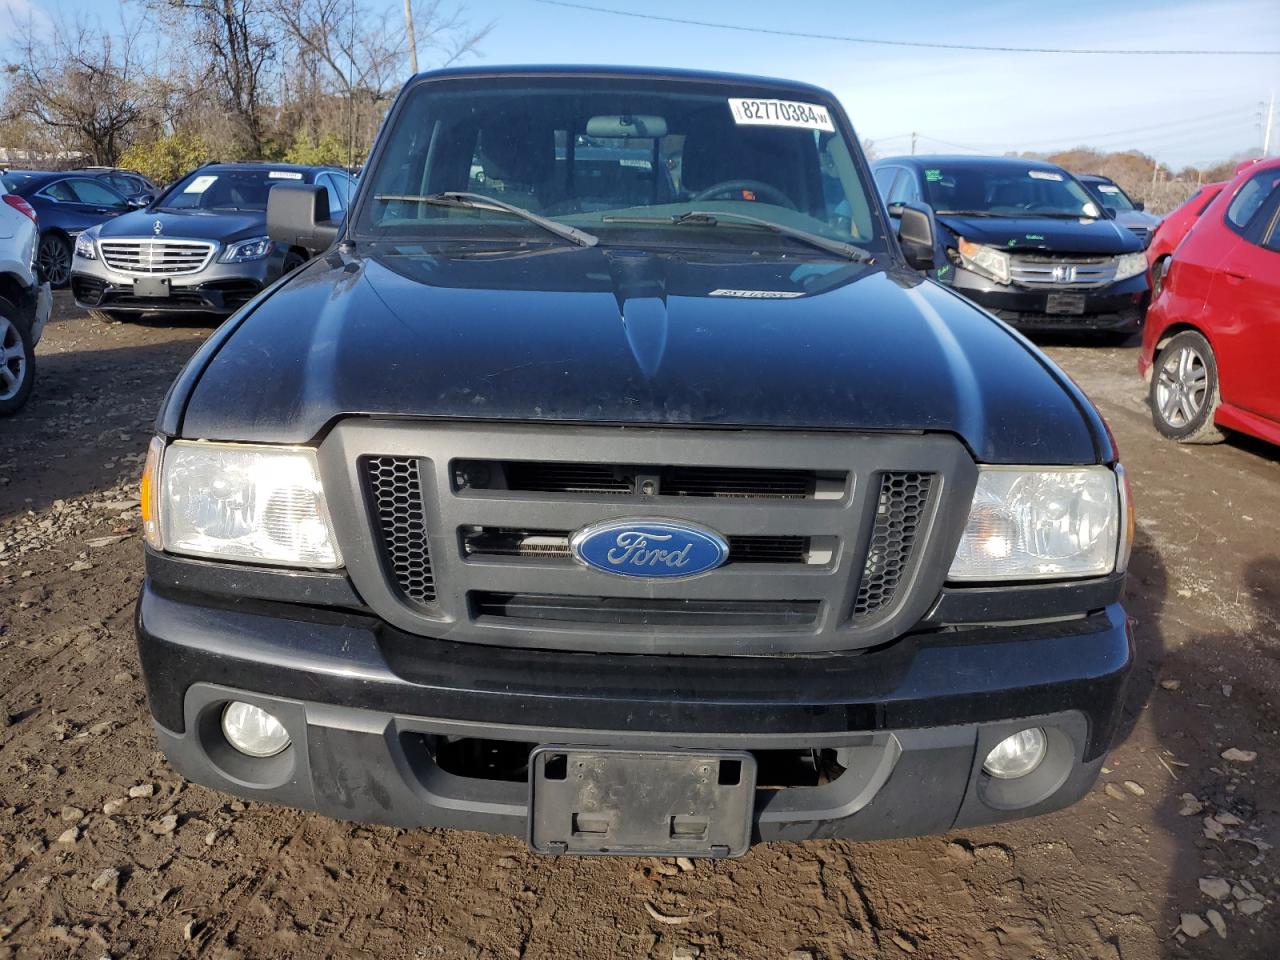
{"points": [[247, 250], [233, 501], [1130, 265], [86, 247], [1046, 523], [985, 260]]}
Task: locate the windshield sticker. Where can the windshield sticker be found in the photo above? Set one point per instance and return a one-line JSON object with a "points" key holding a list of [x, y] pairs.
{"points": [[1044, 175], [200, 184], [284, 175], [1035, 236], [638, 164], [1107, 188], [933, 176], [781, 113], [758, 294]]}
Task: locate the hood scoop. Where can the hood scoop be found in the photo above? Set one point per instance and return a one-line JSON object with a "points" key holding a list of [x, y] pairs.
{"points": [[640, 287]]}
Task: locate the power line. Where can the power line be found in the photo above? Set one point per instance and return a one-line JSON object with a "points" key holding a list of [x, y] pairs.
{"points": [[907, 43]]}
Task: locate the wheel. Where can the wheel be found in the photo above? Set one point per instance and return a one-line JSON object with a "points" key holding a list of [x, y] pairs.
{"points": [[54, 259], [1184, 390], [17, 360], [293, 260], [1158, 270]]}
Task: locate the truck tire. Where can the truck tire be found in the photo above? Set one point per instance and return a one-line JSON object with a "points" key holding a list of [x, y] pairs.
{"points": [[1184, 392], [17, 359]]}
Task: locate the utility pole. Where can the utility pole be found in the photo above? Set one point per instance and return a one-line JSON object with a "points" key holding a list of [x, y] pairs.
{"points": [[1266, 134], [913, 143], [408, 29]]}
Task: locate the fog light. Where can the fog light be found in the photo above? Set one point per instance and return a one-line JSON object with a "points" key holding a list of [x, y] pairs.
{"points": [[252, 730], [1016, 756]]}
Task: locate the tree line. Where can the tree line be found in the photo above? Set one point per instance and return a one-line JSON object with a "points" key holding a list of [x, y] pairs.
{"points": [[179, 82]]}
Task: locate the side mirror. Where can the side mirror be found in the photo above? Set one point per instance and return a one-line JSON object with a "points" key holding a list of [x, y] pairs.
{"points": [[137, 203], [1110, 212], [298, 216], [1139, 205], [917, 236]]}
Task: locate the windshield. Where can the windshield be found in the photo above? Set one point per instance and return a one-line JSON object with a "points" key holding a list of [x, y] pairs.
{"points": [[1006, 190], [1113, 197], [222, 190], [620, 158]]}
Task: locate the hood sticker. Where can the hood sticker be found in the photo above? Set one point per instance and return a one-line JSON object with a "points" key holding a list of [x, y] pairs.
{"points": [[781, 113], [757, 294], [200, 184], [1044, 175]]}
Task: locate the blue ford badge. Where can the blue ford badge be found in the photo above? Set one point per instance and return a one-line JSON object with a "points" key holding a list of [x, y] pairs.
{"points": [[649, 549]]}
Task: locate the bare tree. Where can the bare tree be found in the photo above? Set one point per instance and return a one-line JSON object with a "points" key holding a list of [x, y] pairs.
{"points": [[85, 86], [238, 41], [362, 54]]}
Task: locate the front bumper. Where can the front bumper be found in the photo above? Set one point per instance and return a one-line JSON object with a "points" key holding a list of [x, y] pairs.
{"points": [[1117, 308], [220, 288], [368, 708]]}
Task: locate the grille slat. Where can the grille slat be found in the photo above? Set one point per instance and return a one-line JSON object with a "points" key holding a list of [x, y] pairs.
{"points": [[900, 512], [395, 496], [533, 476], [627, 611], [531, 544]]}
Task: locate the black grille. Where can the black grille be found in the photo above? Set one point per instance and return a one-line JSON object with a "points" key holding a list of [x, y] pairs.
{"points": [[899, 516], [395, 497], [554, 545], [636, 612], [534, 476]]}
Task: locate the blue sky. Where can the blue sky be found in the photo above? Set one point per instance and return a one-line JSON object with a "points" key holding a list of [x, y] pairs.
{"points": [[1179, 109]]}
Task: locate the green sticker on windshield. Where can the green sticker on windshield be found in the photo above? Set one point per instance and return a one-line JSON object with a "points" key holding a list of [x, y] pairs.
{"points": [[933, 176]]}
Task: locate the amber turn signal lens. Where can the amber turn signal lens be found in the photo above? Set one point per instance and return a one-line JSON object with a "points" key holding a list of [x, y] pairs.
{"points": [[150, 490]]}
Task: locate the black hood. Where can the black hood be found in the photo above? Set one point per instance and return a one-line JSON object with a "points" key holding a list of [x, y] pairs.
{"points": [[1045, 234], [614, 336], [187, 225]]}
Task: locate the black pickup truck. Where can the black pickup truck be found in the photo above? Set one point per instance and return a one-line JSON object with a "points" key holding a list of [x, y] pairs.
{"points": [[648, 503]]}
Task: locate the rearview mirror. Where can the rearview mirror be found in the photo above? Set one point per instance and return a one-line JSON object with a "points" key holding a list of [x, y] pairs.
{"points": [[916, 235], [627, 125], [1139, 205], [298, 216]]}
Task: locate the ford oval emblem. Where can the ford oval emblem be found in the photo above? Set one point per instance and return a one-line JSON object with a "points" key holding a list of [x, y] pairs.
{"points": [[649, 549]]}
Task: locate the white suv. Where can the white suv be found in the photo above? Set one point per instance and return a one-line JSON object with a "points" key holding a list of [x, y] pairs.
{"points": [[25, 301]]}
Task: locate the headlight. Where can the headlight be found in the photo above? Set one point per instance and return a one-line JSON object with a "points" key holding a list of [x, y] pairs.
{"points": [[240, 502], [986, 260], [85, 247], [1042, 524], [247, 250], [1130, 265]]}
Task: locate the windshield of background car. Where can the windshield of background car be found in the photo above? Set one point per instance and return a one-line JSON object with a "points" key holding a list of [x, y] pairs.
{"points": [[1006, 190], [583, 151], [1113, 197], [215, 190]]}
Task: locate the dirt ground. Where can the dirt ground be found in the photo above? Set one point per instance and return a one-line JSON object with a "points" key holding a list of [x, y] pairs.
{"points": [[104, 851]]}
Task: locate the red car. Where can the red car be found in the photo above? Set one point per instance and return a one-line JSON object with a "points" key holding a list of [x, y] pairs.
{"points": [[1172, 229], [1211, 344]]}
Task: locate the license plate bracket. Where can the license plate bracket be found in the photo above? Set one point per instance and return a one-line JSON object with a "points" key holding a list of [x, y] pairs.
{"points": [[1069, 303], [593, 801], [151, 287]]}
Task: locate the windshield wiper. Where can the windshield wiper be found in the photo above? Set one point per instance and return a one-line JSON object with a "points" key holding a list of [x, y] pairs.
{"points": [[478, 201], [707, 218]]}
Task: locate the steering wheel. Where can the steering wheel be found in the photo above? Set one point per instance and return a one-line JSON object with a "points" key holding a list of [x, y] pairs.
{"points": [[732, 190]]}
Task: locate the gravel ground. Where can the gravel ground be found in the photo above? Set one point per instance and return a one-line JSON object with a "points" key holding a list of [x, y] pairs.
{"points": [[104, 851]]}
